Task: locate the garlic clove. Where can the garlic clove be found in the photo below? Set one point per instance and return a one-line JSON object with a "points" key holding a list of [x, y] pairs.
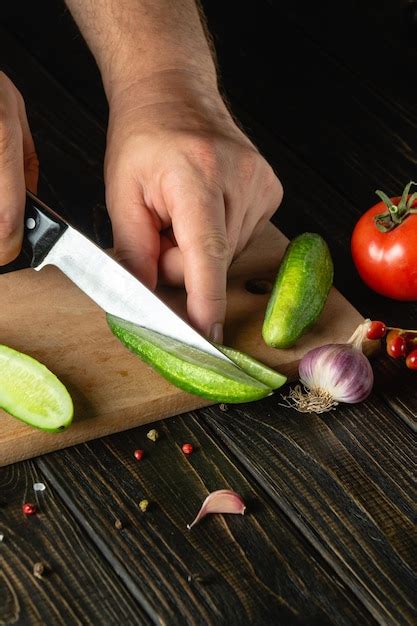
{"points": [[221, 501]]}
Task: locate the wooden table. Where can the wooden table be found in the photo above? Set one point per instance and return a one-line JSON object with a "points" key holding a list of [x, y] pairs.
{"points": [[327, 92]]}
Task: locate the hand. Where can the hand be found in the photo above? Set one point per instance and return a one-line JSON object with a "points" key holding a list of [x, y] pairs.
{"points": [[186, 190], [18, 168]]}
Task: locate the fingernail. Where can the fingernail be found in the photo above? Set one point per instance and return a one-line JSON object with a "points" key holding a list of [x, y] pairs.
{"points": [[216, 332]]}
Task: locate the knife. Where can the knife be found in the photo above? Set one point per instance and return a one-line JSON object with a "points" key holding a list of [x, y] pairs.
{"points": [[53, 241]]}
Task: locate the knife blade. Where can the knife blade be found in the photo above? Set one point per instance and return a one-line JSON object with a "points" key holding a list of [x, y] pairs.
{"points": [[53, 241]]}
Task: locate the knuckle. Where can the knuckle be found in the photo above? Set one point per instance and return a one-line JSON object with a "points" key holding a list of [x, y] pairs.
{"points": [[249, 163], [213, 295], [272, 188], [215, 247], [205, 151], [215, 298], [275, 187]]}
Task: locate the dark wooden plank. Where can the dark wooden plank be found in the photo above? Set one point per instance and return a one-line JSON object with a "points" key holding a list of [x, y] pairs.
{"points": [[377, 42], [356, 140], [48, 33], [229, 569], [399, 389], [319, 160], [347, 480], [78, 586]]}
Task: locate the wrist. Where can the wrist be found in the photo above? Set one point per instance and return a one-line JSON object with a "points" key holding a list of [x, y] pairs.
{"points": [[166, 83], [176, 92]]}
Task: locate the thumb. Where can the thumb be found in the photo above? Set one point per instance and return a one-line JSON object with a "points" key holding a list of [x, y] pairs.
{"points": [[135, 235]]}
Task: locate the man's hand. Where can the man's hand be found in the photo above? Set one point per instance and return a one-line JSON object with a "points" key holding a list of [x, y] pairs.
{"points": [[185, 188], [18, 168]]}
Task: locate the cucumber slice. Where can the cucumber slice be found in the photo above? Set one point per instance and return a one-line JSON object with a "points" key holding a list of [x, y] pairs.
{"points": [[300, 291], [188, 368], [254, 368], [32, 393]]}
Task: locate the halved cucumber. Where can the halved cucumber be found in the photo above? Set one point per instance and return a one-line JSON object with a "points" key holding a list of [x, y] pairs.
{"points": [[191, 369], [254, 368], [32, 393], [300, 291]]}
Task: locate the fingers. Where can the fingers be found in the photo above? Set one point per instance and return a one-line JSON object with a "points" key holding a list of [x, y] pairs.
{"points": [[213, 240], [12, 178], [18, 168], [135, 232], [198, 220], [171, 265]]}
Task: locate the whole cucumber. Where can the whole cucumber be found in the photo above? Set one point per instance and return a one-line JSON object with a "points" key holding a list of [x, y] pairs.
{"points": [[300, 290]]}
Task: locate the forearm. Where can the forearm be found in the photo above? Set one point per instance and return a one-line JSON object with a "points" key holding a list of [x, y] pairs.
{"points": [[135, 39]]}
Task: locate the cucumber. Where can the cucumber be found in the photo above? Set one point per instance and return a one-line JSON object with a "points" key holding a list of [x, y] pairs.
{"points": [[32, 393], [300, 291], [193, 370], [254, 368]]}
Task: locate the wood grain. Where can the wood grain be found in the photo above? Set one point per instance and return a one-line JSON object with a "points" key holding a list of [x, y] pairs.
{"points": [[78, 586], [334, 112], [253, 569], [347, 480], [112, 389]]}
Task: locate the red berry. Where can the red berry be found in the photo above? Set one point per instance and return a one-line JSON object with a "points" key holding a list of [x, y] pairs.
{"points": [[411, 341], [29, 509], [187, 448], [138, 454], [376, 330], [396, 344], [411, 360]]}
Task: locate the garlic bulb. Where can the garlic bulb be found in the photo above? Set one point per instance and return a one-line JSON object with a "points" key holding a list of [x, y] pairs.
{"points": [[333, 373]]}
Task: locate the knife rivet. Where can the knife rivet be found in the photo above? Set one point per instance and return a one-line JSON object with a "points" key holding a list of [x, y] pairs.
{"points": [[30, 223]]}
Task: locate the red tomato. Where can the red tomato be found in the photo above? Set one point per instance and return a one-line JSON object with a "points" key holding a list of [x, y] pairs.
{"points": [[387, 262]]}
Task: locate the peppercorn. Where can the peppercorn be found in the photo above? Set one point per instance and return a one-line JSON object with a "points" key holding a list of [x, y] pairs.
{"points": [[153, 435], [187, 448], [29, 509], [143, 505], [38, 570]]}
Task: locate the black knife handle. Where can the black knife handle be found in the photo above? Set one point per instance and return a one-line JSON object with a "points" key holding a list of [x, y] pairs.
{"points": [[43, 228]]}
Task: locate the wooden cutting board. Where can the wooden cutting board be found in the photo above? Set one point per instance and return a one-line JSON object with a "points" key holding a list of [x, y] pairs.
{"points": [[45, 315]]}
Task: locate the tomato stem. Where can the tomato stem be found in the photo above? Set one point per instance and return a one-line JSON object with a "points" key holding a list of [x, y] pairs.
{"points": [[403, 330], [396, 213]]}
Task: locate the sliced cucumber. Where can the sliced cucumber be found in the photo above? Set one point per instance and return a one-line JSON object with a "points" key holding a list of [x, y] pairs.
{"points": [[32, 393], [254, 368], [300, 291], [188, 368]]}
